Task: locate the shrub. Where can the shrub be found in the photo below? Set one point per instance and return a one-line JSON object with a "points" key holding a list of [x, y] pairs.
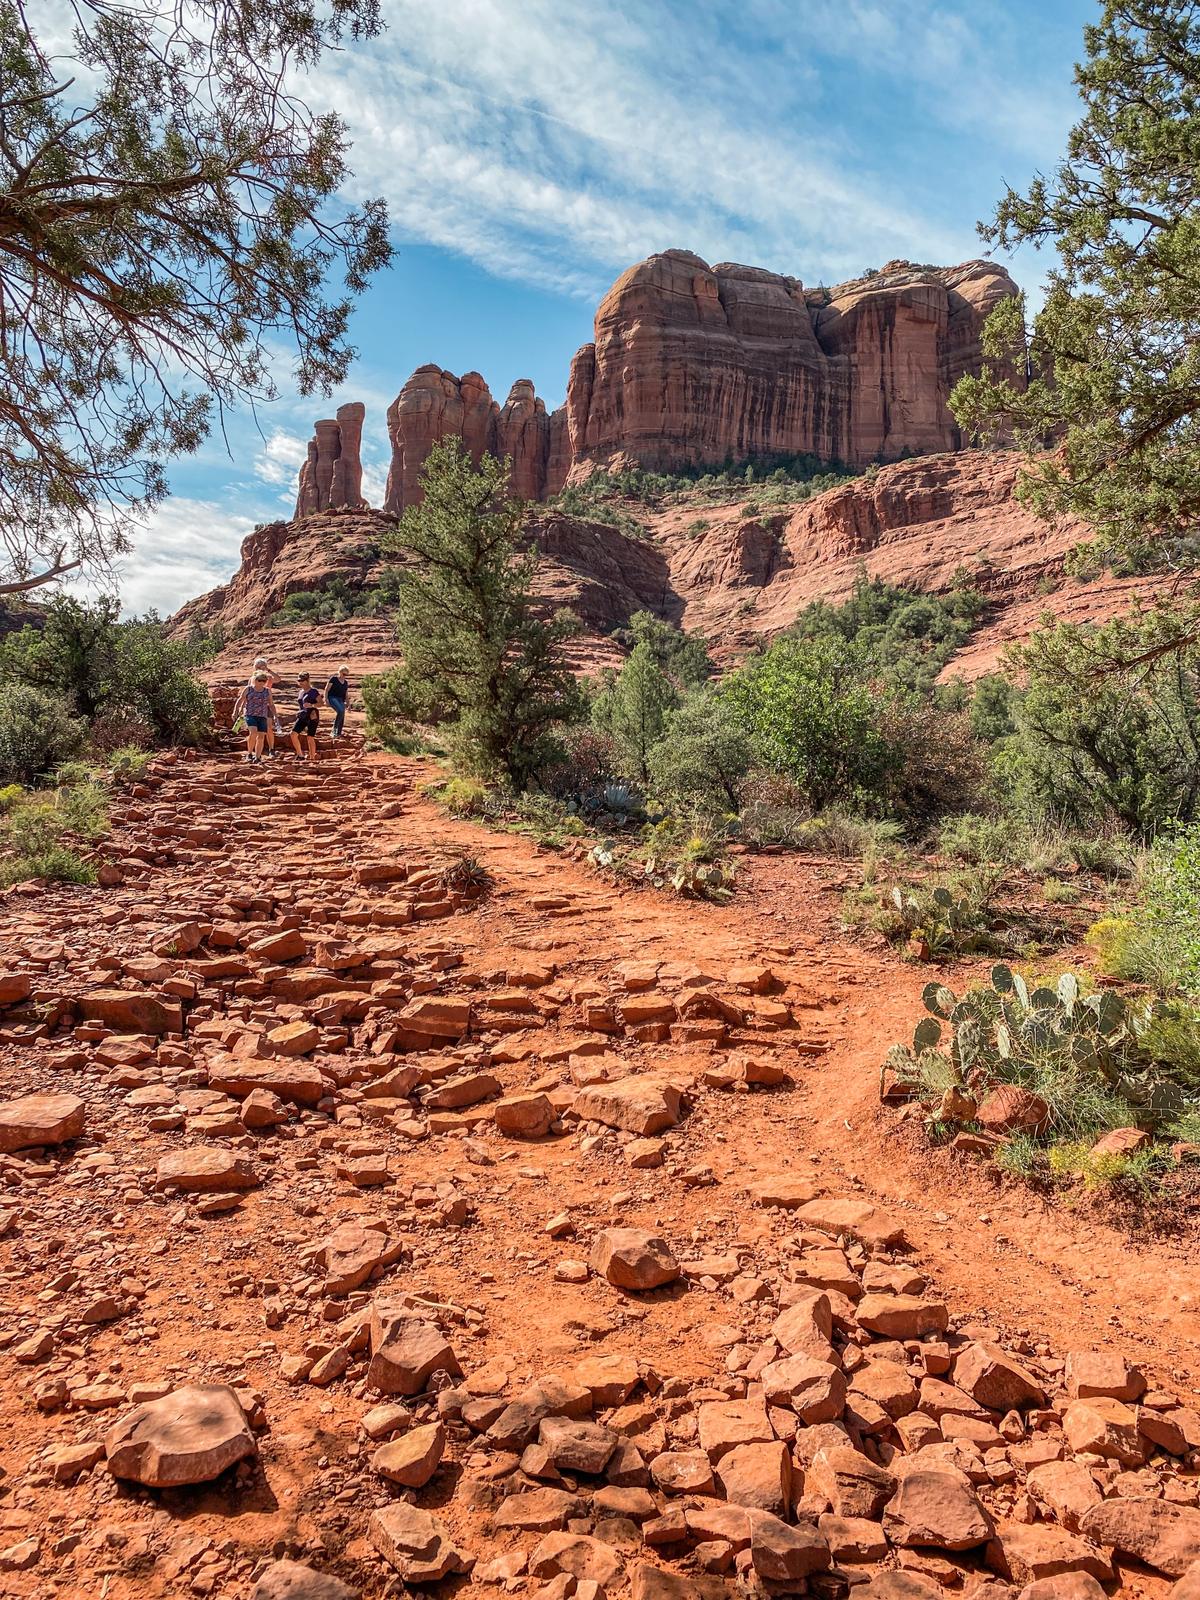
{"points": [[108, 669], [57, 865], [37, 732], [703, 756], [1157, 941], [1096, 1060], [389, 711], [1107, 729], [812, 715]]}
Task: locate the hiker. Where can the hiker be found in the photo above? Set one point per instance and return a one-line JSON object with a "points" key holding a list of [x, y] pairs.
{"points": [[274, 726], [337, 694], [305, 726], [257, 704]]}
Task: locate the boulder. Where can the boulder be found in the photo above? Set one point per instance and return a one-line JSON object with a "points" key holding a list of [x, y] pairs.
{"points": [[131, 1011], [1025, 1552], [781, 1554], [815, 1391], [40, 1119], [524, 1116], [579, 1555], [406, 1350], [1011, 1109], [641, 1105], [901, 1316], [413, 1458], [852, 1483], [351, 1253], [995, 1379], [758, 1475], [1164, 1536], [633, 1259], [205, 1169], [293, 1580], [415, 1542], [297, 1082], [189, 1436], [938, 1510], [1092, 1374], [1104, 1427]]}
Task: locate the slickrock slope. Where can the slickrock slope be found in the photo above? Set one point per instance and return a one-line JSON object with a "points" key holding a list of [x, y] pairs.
{"points": [[736, 578], [695, 365], [334, 1255]]}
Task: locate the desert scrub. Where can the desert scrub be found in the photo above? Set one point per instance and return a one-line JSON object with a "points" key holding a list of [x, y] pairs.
{"points": [[1085, 1064], [58, 864], [1156, 940]]}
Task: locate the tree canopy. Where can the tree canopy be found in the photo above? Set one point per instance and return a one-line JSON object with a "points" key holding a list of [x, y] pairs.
{"points": [[479, 657], [1113, 360], [168, 222]]}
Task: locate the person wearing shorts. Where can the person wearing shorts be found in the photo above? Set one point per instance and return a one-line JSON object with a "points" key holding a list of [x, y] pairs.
{"points": [[308, 717], [274, 726], [256, 704], [337, 693]]}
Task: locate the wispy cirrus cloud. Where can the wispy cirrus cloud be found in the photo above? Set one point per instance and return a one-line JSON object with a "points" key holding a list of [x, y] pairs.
{"points": [[555, 147]]}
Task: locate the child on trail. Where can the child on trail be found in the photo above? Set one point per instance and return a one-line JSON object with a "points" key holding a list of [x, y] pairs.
{"points": [[337, 694], [274, 726], [305, 725], [257, 705]]}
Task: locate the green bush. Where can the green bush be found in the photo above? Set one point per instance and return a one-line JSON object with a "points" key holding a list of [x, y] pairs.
{"points": [[37, 732], [904, 633], [117, 675], [1096, 1060], [1108, 726], [57, 865], [1157, 941], [703, 756], [813, 715]]}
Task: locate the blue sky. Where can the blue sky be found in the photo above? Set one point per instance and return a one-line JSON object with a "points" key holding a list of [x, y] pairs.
{"points": [[530, 150]]}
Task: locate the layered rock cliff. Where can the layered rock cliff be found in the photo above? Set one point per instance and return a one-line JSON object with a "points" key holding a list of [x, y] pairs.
{"points": [[695, 366], [737, 578]]}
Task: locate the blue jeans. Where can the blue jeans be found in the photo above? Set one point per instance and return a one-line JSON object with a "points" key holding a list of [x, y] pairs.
{"points": [[338, 707]]}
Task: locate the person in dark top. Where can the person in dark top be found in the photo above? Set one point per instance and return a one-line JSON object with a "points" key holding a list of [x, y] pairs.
{"points": [[308, 716], [337, 694]]}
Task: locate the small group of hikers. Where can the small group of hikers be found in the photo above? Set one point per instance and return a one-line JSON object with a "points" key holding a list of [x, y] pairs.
{"points": [[256, 704]]}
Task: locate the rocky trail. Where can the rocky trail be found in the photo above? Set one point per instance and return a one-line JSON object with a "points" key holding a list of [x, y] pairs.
{"points": [[390, 1207]]}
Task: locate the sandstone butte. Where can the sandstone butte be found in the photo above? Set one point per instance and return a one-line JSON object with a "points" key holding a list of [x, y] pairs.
{"points": [[695, 365]]}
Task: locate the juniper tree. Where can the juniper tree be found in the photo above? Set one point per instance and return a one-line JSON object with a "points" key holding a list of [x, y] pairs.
{"points": [[479, 655], [1114, 359], [167, 222], [634, 706]]}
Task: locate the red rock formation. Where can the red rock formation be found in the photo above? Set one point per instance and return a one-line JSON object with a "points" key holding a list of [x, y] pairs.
{"points": [[435, 405], [331, 477], [696, 366]]}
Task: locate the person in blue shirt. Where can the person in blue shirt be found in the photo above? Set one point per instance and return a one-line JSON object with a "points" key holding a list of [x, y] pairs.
{"points": [[304, 729]]}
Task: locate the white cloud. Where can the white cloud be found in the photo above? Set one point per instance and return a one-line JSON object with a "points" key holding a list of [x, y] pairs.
{"points": [[280, 459], [554, 147], [184, 548]]}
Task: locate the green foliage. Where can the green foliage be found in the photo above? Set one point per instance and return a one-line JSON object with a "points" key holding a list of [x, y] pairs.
{"points": [[477, 655], [123, 675], [943, 919], [633, 707], [682, 656], [172, 214], [904, 634], [387, 704], [813, 716], [779, 480], [993, 704], [1095, 1059], [1113, 360], [37, 732], [1108, 727], [703, 756], [338, 599], [1157, 940], [57, 865]]}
